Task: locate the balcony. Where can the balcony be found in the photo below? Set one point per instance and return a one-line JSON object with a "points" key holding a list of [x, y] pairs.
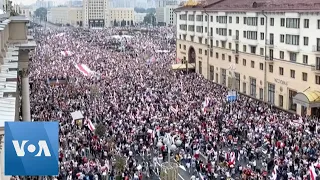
{"points": [[235, 52], [270, 43], [269, 60], [315, 69], [316, 49], [235, 39]]}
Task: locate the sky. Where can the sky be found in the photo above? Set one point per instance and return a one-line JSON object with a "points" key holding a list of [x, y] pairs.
{"points": [[24, 2]]}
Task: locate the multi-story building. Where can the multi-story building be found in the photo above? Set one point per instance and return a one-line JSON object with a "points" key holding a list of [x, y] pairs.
{"points": [[164, 12], [122, 15], [27, 12], [66, 15], [44, 4], [96, 13], [123, 3], [269, 50]]}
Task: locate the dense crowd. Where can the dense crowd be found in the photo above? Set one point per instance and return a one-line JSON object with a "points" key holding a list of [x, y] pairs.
{"points": [[135, 98]]}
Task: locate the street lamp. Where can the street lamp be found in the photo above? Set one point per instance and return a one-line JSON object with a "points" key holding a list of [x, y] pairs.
{"points": [[170, 142]]}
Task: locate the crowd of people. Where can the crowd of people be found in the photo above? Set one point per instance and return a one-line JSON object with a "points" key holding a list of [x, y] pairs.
{"points": [[133, 96]]}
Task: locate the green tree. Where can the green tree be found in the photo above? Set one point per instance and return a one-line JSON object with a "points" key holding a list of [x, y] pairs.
{"points": [[120, 164], [41, 13], [139, 10], [151, 10], [150, 18], [100, 130]]}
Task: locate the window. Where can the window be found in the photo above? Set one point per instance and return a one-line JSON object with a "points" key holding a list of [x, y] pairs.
{"points": [[282, 22], [252, 21], [199, 18], [244, 20], [244, 34], [262, 21], [252, 35], [211, 73], [306, 23], [271, 68], [199, 29], [191, 17], [318, 63], [271, 21], [280, 101], [200, 67], [244, 62], [222, 19], [244, 48], [230, 46], [318, 24], [271, 92], [281, 70], [281, 55], [281, 38], [261, 66], [260, 93], [304, 76], [244, 88], [262, 36], [252, 64], [222, 31], [293, 23], [317, 79], [293, 57], [306, 41], [292, 106], [230, 19], [217, 55], [200, 51], [230, 32], [191, 38], [200, 39], [229, 58], [292, 73], [237, 20], [292, 39], [261, 51], [253, 87], [223, 56], [253, 49], [217, 43], [305, 59], [237, 60], [237, 76]]}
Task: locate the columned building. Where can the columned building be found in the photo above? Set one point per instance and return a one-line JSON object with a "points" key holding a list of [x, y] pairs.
{"points": [[96, 13], [267, 50]]}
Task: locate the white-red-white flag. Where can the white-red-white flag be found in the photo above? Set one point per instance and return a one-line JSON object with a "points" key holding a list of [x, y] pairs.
{"points": [[312, 172], [66, 53], [84, 69], [90, 125]]}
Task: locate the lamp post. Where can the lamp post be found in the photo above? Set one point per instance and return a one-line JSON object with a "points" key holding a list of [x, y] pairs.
{"points": [[232, 94], [169, 170]]}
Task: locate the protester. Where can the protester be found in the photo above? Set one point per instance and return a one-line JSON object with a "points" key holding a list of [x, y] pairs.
{"points": [[126, 84]]}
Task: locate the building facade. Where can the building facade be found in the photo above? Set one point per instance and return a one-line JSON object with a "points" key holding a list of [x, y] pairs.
{"points": [[96, 13], [165, 12], [126, 16], [66, 15], [27, 12], [269, 51]]}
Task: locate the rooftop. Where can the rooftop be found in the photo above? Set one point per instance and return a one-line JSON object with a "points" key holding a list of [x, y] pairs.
{"points": [[255, 5]]}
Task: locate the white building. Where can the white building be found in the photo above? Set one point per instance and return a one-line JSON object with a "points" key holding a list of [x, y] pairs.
{"points": [[139, 17], [165, 11], [123, 3], [96, 13], [274, 52]]}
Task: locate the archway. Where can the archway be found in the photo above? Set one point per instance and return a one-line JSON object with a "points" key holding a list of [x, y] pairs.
{"points": [[191, 55]]}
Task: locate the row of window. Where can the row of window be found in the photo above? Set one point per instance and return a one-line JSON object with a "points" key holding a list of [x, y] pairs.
{"points": [[252, 21], [252, 87]]}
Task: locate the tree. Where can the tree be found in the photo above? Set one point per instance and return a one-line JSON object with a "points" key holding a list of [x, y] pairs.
{"points": [[151, 10], [139, 10], [100, 130], [150, 19], [115, 23], [120, 164], [41, 13]]}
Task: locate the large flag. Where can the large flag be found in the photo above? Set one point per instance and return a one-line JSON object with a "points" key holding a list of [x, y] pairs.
{"points": [[274, 172], [84, 69], [90, 125], [312, 172], [66, 53]]}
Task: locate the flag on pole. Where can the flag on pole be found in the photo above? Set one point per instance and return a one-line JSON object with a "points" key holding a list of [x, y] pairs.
{"points": [[84, 69]]}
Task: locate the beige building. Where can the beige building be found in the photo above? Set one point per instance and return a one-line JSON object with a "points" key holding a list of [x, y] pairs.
{"points": [[126, 16], [96, 13], [66, 15], [263, 50], [15, 45]]}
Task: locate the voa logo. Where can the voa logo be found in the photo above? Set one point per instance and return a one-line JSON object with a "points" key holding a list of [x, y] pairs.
{"points": [[31, 148]]}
